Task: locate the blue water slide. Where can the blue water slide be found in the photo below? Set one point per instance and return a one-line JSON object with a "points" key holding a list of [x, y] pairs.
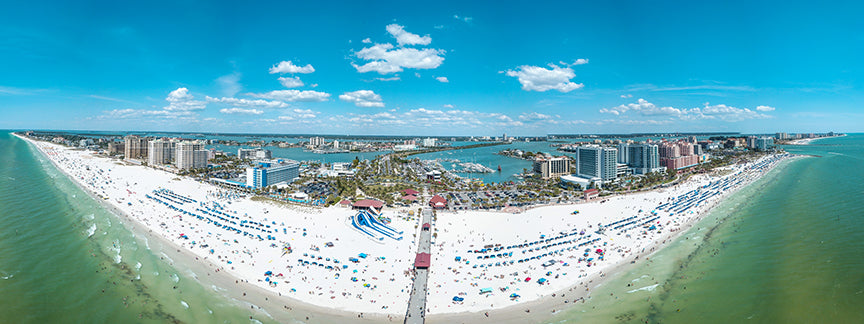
{"points": [[368, 220], [374, 220], [354, 223]]}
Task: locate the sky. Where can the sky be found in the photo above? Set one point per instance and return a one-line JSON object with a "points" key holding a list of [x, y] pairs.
{"points": [[432, 68]]}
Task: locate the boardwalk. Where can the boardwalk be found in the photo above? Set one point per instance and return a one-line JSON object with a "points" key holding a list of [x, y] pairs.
{"points": [[417, 303]]}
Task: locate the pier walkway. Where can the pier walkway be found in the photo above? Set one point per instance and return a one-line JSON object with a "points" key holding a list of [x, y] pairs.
{"points": [[416, 313]]}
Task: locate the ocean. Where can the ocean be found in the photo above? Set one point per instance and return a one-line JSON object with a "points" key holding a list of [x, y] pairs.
{"points": [[789, 248], [64, 258]]}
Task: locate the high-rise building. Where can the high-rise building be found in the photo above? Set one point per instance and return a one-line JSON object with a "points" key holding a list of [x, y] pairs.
{"points": [[267, 173], [623, 153], [751, 142], [429, 142], [764, 143], [135, 147], [597, 162], [316, 141], [254, 154], [677, 155], [160, 152], [644, 158], [190, 155], [782, 136], [116, 147], [552, 167]]}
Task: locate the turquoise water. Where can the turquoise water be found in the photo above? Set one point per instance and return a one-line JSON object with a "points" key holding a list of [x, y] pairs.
{"points": [[65, 259], [787, 249]]}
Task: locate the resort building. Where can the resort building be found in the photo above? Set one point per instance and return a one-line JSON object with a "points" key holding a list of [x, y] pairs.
{"points": [[764, 143], [550, 167], [135, 147], [160, 152], [267, 173], [190, 155], [644, 158], [677, 155], [597, 162], [254, 154], [116, 147]]}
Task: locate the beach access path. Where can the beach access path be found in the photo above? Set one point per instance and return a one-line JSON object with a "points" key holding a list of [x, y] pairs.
{"points": [[417, 300]]}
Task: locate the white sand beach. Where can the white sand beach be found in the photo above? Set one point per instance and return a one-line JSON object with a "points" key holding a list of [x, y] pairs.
{"points": [[576, 248]]}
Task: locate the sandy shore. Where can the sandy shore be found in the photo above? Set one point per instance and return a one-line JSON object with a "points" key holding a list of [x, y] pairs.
{"points": [[377, 286], [805, 141]]}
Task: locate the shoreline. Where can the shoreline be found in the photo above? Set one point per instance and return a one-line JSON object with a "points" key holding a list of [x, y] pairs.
{"points": [[265, 303], [272, 303], [807, 141]]}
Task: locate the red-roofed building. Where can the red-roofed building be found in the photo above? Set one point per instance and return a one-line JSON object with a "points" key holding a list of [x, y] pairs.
{"points": [[426, 226], [409, 198], [438, 202], [410, 192], [345, 203], [367, 203], [591, 194], [422, 261]]}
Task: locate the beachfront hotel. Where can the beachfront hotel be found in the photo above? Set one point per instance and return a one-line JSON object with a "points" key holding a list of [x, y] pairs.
{"points": [[160, 152], [191, 155], [135, 147], [678, 155], [268, 173], [550, 167]]}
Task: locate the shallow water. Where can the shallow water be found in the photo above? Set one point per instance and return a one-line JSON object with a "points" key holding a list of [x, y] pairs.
{"points": [[787, 249], [65, 259]]}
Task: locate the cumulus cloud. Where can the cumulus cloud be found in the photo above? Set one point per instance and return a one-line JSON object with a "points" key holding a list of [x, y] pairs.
{"points": [[181, 100], [385, 58], [293, 82], [707, 112], [765, 108], [442, 79], [288, 67], [367, 41], [535, 78], [246, 111], [248, 102], [403, 37], [363, 98], [293, 95]]}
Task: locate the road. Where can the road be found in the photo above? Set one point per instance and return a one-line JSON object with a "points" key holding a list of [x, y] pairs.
{"points": [[416, 313]]}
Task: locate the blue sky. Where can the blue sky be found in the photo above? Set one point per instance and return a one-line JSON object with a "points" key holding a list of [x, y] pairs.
{"points": [[442, 68]]}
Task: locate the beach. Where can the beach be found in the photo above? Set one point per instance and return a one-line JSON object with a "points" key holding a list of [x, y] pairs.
{"points": [[553, 243]]}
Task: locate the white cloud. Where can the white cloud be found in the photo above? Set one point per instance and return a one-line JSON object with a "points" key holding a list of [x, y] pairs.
{"points": [[293, 95], [707, 112], [248, 102], [246, 111], [765, 108], [395, 78], [465, 19], [304, 113], [288, 67], [403, 37], [385, 59], [363, 98], [442, 79], [580, 61], [367, 41], [535, 78], [293, 82], [627, 96], [181, 100], [229, 84], [448, 106]]}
